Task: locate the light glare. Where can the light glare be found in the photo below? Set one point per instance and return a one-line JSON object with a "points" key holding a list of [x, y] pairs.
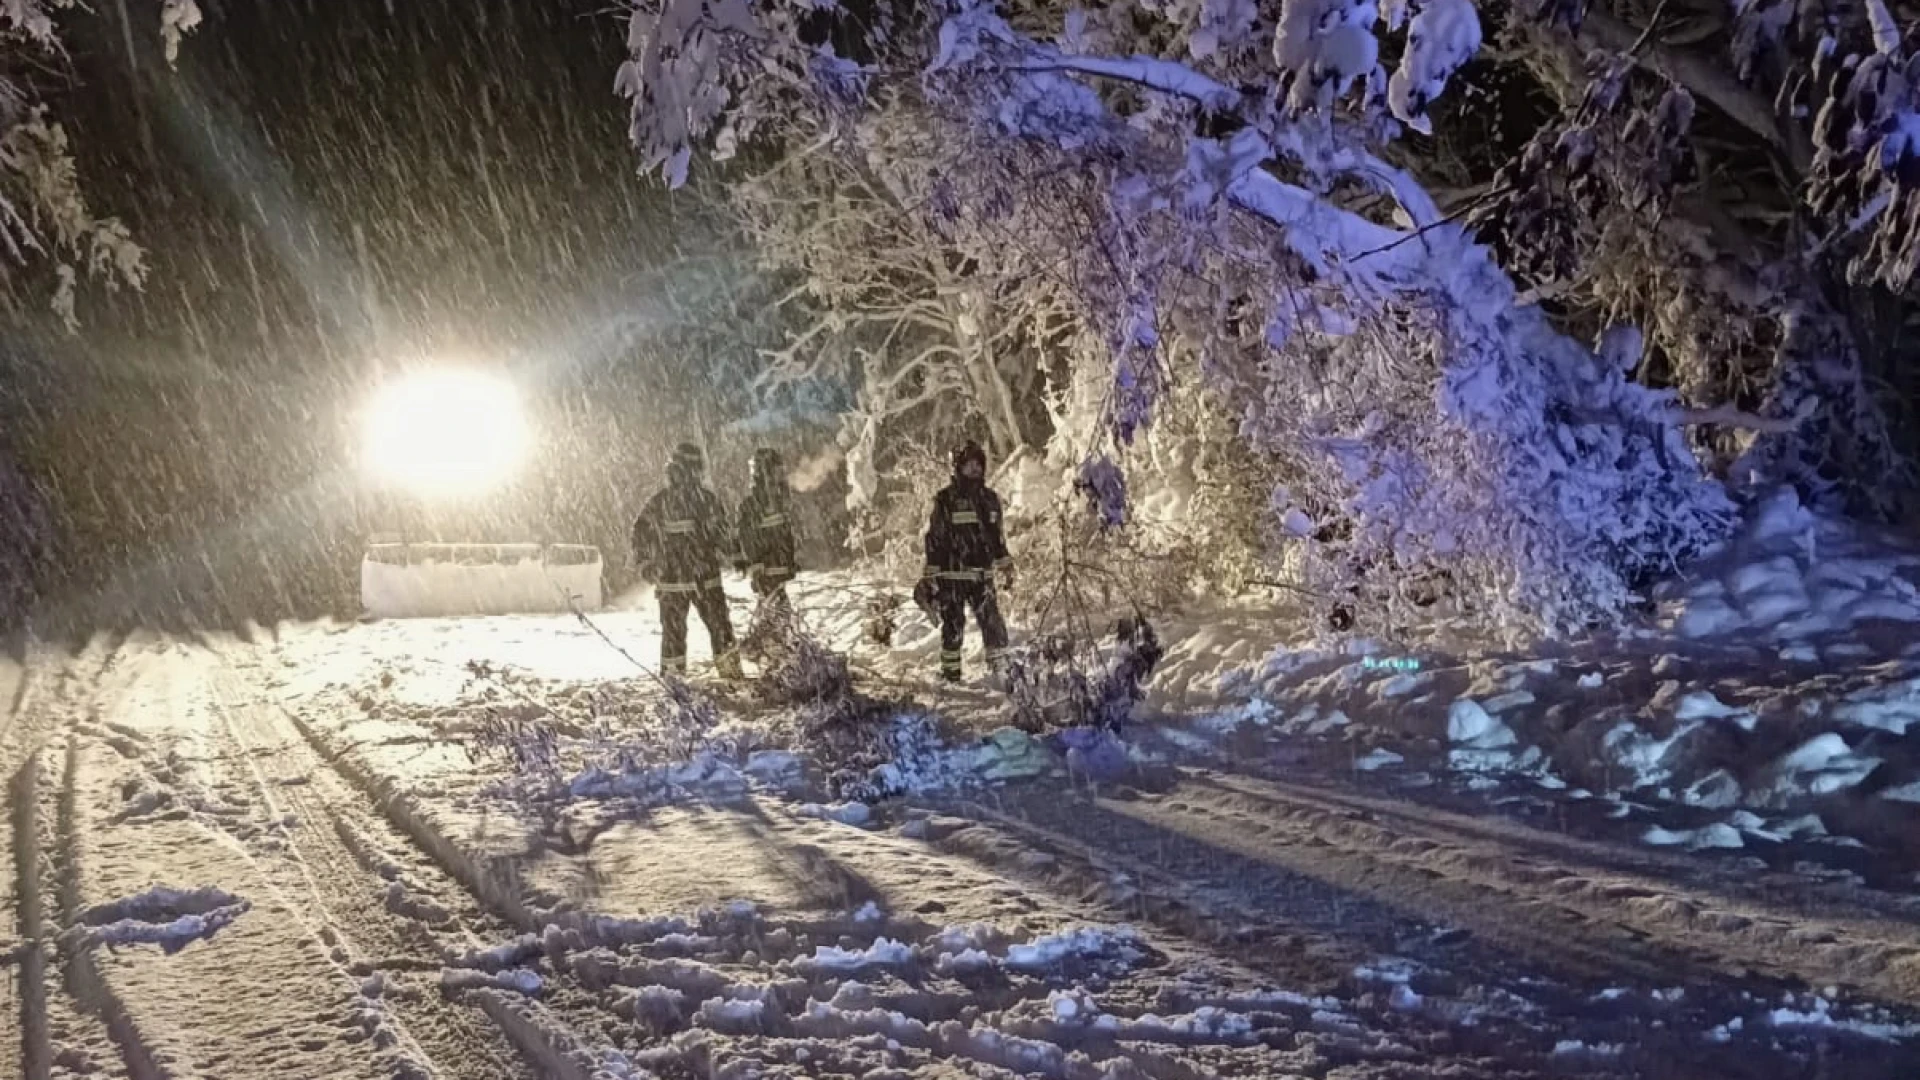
{"points": [[446, 432]]}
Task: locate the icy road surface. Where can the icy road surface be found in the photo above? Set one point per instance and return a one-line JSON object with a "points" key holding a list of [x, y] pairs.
{"points": [[253, 859]]}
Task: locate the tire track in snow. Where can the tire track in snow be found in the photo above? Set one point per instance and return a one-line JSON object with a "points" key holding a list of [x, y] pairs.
{"points": [[48, 689], [555, 1037], [258, 988], [33, 1053], [1297, 880], [19, 665], [83, 976], [497, 892], [537, 1032], [1295, 933], [24, 668], [1547, 897], [51, 691], [336, 857]]}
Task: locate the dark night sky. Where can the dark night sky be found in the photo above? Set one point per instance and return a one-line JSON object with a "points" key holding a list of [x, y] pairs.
{"points": [[326, 189]]}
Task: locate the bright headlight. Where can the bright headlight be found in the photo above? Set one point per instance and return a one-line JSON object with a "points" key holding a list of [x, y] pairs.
{"points": [[446, 432]]}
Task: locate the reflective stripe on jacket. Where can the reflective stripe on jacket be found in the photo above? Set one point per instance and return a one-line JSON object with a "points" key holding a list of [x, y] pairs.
{"points": [[964, 532], [764, 525], [682, 537]]}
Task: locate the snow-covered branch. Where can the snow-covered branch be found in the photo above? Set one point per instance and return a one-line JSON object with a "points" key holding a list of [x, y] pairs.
{"points": [[1178, 80], [43, 207], [1728, 416], [1165, 76]]}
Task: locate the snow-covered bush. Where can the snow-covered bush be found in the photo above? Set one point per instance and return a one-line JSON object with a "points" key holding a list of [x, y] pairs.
{"points": [[840, 727], [796, 667], [1190, 492], [890, 525]]}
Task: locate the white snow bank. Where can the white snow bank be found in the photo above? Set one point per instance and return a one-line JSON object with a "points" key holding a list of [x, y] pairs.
{"points": [[1717, 790], [516, 980], [1791, 575], [733, 1014], [776, 767], [1576, 1048], [702, 775], [1818, 1011], [1890, 707], [499, 957], [1470, 725], [1121, 944], [1377, 759], [1647, 759], [963, 950], [1703, 838], [1822, 765], [1702, 705], [884, 952], [1208, 1022], [846, 813], [168, 917]]}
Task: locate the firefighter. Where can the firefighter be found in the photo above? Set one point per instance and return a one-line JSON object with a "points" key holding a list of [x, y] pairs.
{"points": [[765, 529], [679, 542], [965, 549]]}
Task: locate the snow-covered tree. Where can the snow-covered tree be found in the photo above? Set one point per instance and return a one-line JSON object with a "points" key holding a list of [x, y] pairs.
{"points": [[929, 344], [43, 210], [1202, 193], [1213, 192]]}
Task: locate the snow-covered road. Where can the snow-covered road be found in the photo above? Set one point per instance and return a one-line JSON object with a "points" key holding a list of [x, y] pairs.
{"points": [[242, 859]]}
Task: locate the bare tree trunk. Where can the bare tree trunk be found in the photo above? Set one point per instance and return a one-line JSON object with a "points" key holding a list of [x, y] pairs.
{"points": [[967, 312]]}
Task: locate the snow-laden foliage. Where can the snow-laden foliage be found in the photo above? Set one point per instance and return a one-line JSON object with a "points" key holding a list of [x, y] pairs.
{"points": [[178, 18], [796, 667], [1608, 210], [933, 352], [1139, 529], [1441, 36], [1105, 488], [1866, 139], [43, 211], [1205, 210]]}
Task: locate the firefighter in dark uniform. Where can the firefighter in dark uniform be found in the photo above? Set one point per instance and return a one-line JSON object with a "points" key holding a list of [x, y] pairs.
{"points": [[965, 549], [764, 525], [679, 542]]}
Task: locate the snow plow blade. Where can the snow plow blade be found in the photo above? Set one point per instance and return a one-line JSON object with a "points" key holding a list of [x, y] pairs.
{"points": [[425, 580]]}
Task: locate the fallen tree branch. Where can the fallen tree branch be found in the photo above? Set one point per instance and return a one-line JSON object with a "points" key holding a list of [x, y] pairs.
{"points": [[1728, 416]]}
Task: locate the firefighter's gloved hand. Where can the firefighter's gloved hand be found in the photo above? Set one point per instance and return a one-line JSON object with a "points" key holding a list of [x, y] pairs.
{"points": [[762, 584], [926, 596]]}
